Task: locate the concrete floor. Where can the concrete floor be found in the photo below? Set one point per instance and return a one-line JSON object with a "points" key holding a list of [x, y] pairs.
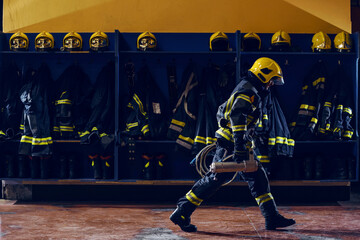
{"points": [[104, 221]]}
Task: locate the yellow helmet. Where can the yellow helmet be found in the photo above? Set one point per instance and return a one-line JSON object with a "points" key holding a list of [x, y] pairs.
{"points": [[146, 41], [343, 42], [19, 42], [280, 41], [219, 41], [72, 42], [251, 42], [321, 42], [98, 41], [44, 41], [266, 70]]}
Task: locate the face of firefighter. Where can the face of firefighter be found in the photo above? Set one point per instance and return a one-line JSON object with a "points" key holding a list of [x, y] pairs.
{"points": [[98, 43], [72, 43], [18, 44], [269, 84], [43, 43], [147, 43]]}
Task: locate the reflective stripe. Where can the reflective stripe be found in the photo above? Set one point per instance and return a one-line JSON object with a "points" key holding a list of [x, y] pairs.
{"points": [[177, 122], [94, 129], [314, 120], [319, 80], [265, 117], [225, 134], [210, 140], [281, 140], [238, 128], [103, 135], [145, 129], [348, 134], [327, 104], [228, 106], [348, 110], [264, 158], [187, 139], [63, 101], [26, 139], [42, 141], [200, 139], [131, 125], [2, 133], [244, 97], [141, 106], [84, 133], [340, 107], [264, 198], [66, 129], [193, 198]]}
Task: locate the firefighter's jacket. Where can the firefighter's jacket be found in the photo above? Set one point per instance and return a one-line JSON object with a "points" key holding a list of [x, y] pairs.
{"points": [[72, 102], [36, 139], [147, 109], [183, 122], [313, 90], [216, 84], [10, 104], [101, 123], [336, 112]]}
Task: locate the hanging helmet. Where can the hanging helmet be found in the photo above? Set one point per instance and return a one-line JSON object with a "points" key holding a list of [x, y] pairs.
{"points": [[99, 41], [343, 42], [146, 41], [19, 42], [44, 41], [321, 42], [72, 42], [251, 42], [280, 41], [266, 70], [219, 41]]}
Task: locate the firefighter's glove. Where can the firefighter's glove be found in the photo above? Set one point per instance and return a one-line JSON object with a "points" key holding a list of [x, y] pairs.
{"points": [[240, 156]]}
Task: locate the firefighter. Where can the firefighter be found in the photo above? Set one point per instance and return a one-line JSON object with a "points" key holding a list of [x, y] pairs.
{"points": [[233, 137], [44, 41]]}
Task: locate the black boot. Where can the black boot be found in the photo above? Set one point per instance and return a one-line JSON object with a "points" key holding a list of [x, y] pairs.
{"points": [[72, 166], [63, 167], [107, 169], [178, 217], [96, 164], [308, 168], [273, 219], [160, 166], [24, 166], [11, 166], [351, 167], [340, 168], [319, 167], [148, 170], [44, 167], [35, 167]]}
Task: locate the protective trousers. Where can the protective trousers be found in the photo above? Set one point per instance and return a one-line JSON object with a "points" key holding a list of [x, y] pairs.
{"points": [[204, 188]]}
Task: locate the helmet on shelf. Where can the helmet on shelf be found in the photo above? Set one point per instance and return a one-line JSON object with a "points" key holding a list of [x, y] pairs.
{"points": [[321, 42], [219, 41], [99, 41], [146, 41], [266, 70], [72, 42], [280, 41], [44, 41], [19, 42], [343, 42], [251, 42]]}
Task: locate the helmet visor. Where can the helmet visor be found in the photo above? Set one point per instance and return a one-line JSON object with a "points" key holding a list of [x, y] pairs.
{"points": [[278, 80], [98, 43], [18, 43], [147, 43], [72, 42], [43, 43]]}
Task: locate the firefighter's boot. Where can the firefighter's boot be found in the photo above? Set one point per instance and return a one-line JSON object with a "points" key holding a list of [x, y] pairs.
{"points": [[351, 167], [319, 167], [10, 166], [308, 168], [72, 166], [23, 166], [96, 164], [35, 167], [273, 219], [107, 169], [160, 161], [63, 167], [179, 217], [148, 170], [44, 167]]}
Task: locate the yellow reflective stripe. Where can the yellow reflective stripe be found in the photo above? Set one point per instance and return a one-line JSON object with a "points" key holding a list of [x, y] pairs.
{"points": [[131, 125], [336, 130], [281, 140], [145, 129], [187, 139], [340, 107], [238, 128], [265, 117], [141, 106], [2, 133], [264, 198], [314, 120], [348, 134], [317, 81], [228, 106], [26, 139], [63, 101], [327, 104], [147, 164], [291, 142], [84, 133], [311, 108], [292, 124], [327, 126], [225, 134], [304, 106], [244, 97], [177, 122], [193, 198], [348, 110], [56, 129], [210, 140], [42, 141], [199, 139], [263, 158], [322, 130], [21, 127], [103, 135], [94, 129]]}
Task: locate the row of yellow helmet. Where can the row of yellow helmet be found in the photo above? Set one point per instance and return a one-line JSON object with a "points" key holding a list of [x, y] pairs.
{"points": [[219, 41], [281, 41], [72, 41]]}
